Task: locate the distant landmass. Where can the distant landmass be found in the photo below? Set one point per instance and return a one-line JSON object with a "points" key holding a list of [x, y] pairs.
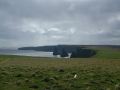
{"points": [[68, 48], [76, 51]]}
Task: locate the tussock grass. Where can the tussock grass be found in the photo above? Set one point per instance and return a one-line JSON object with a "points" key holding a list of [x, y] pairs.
{"points": [[29, 73]]}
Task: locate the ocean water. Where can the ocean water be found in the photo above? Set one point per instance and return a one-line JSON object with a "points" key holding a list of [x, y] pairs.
{"points": [[25, 53]]}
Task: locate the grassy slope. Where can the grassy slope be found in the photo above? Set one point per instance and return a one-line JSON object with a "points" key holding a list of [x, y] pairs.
{"points": [[107, 53], [28, 73]]}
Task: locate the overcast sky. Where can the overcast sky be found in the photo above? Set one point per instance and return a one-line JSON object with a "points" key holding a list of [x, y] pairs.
{"points": [[49, 22]]}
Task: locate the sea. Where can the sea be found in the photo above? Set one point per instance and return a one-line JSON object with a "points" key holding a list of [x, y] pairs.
{"points": [[25, 53]]}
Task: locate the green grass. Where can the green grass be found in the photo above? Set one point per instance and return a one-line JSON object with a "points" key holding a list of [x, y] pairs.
{"points": [[107, 53], [30, 73]]}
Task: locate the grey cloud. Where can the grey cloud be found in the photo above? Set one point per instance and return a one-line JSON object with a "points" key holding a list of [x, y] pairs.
{"points": [[30, 22]]}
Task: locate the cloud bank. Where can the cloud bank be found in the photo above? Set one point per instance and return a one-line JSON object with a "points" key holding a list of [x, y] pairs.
{"points": [[49, 22]]}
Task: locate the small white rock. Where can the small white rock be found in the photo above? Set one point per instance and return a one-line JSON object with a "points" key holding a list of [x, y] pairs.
{"points": [[75, 76]]}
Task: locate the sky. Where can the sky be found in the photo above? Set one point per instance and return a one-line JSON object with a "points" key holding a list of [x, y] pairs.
{"points": [[53, 22]]}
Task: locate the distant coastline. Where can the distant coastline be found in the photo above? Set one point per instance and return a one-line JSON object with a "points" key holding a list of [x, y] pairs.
{"points": [[68, 48]]}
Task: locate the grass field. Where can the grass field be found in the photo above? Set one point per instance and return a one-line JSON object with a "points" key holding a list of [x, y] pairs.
{"points": [[108, 53], [30, 73]]}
